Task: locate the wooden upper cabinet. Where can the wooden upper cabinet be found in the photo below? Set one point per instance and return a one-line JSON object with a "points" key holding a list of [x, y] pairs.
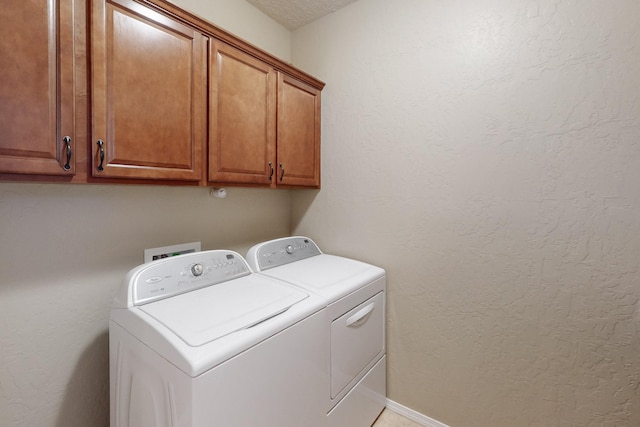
{"points": [[36, 87], [148, 92], [298, 133], [173, 99], [264, 126], [241, 117]]}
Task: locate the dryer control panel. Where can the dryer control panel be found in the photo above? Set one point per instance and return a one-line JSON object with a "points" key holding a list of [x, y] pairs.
{"points": [[281, 251], [176, 275]]}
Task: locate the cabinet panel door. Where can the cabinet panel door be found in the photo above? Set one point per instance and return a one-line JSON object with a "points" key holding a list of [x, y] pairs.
{"points": [[242, 117], [36, 87], [149, 75], [298, 133]]}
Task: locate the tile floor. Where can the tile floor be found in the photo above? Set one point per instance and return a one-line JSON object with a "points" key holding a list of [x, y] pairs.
{"points": [[390, 419]]}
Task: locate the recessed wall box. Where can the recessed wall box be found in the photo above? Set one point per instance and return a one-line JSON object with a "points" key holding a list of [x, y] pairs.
{"points": [[169, 251]]}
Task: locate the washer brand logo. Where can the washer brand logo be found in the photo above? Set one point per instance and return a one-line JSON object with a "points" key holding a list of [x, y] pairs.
{"points": [[154, 279]]}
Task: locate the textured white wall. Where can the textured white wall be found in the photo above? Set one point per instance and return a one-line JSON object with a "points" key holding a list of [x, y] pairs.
{"points": [[487, 154], [64, 250]]}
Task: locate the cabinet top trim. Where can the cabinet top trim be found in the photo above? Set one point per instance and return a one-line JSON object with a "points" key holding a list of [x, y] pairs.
{"points": [[214, 31]]}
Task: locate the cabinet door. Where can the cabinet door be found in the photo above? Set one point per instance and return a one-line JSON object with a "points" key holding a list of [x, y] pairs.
{"points": [[242, 117], [149, 102], [36, 87], [298, 133]]}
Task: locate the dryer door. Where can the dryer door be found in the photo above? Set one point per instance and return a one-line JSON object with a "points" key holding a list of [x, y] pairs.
{"points": [[357, 338]]}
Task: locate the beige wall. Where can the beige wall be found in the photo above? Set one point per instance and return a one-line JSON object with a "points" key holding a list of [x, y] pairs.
{"points": [[245, 21], [487, 154], [64, 250]]}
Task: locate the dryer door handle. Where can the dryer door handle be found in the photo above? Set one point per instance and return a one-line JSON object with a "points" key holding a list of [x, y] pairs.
{"points": [[358, 318]]}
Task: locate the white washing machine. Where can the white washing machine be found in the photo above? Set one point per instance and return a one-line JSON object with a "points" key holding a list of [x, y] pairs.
{"points": [[199, 340], [354, 293]]}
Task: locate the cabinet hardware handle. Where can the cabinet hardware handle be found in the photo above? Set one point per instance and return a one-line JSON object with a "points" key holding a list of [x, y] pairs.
{"points": [[270, 173], [101, 145], [67, 141], [281, 175]]}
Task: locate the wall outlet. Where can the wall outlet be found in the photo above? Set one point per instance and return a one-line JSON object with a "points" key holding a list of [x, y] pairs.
{"points": [[169, 251]]}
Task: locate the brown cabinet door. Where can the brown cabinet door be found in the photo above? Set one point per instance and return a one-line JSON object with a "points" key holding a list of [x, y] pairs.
{"points": [[36, 87], [148, 91], [298, 133], [242, 117]]}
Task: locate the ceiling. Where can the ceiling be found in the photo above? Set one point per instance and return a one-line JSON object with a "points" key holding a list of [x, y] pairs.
{"points": [[295, 13]]}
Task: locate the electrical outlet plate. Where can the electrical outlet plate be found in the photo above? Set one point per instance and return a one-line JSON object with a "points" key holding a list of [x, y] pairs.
{"points": [[169, 251]]}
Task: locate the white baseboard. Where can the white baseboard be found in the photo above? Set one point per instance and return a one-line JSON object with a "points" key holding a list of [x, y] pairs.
{"points": [[409, 413]]}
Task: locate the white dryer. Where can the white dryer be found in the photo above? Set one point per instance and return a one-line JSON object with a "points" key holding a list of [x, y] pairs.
{"points": [[354, 293], [199, 340]]}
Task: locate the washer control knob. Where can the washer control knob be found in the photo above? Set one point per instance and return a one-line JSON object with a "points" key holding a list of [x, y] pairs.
{"points": [[289, 249], [197, 269]]}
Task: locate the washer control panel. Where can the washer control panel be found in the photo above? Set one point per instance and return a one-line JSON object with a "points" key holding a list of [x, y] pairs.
{"points": [[281, 251], [176, 275]]}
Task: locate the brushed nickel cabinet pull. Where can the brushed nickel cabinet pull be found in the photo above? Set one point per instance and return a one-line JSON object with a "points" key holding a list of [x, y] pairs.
{"points": [[67, 141], [101, 145], [271, 173], [282, 174]]}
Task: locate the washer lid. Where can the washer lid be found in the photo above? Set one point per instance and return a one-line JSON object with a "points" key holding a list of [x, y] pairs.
{"points": [[206, 314]]}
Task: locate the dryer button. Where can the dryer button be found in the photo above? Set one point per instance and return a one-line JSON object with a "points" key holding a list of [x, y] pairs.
{"points": [[197, 269]]}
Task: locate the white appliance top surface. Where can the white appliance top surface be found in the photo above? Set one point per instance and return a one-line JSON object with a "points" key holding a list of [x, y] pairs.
{"points": [[206, 314], [199, 309], [327, 275]]}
